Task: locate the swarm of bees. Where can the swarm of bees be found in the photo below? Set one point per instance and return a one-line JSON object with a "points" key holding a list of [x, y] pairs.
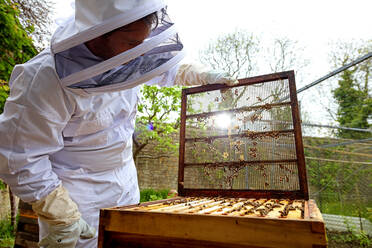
{"points": [[272, 208]]}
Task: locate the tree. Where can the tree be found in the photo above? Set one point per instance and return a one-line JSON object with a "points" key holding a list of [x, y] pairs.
{"points": [[21, 24], [157, 120], [4, 92], [284, 54], [34, 15], [16, 46], [240, 54], [233, 53], [352, 95]]}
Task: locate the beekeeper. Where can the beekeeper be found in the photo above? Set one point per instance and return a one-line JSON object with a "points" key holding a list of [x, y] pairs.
{"points": [[66, 131]]}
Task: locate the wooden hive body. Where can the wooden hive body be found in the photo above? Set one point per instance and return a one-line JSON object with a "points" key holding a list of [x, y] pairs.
{"points": [[130, 227], [275, 158]]}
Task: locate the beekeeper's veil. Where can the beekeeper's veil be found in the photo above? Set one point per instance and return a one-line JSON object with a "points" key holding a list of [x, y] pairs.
{"points": [[158, 53]]}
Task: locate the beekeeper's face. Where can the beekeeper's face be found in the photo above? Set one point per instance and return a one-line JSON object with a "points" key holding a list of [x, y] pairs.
{"points": [[119, 40]]}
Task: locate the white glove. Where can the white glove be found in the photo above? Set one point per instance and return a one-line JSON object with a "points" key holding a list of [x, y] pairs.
{"points": [[66, 236], [63, 218], [192, 74]]}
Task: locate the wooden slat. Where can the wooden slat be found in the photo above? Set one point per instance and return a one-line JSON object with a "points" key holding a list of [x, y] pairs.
{"points": [[124, 240], [236, 110], [261, 232], [26, 240], [27, 235], [298, 136], [278, 194], [241, 163], [317, 226], [240, 135], [181, 159], [244, 81]]}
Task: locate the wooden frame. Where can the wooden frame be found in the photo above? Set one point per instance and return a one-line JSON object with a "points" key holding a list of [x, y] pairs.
{"points": [[302, 193], [123, 227]]}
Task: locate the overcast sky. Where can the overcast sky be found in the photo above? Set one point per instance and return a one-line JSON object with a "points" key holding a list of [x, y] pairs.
{"points": [[312, 23]]}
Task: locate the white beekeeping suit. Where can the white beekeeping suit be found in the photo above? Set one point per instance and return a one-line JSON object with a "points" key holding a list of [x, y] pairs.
{"points": [[66, 131]]}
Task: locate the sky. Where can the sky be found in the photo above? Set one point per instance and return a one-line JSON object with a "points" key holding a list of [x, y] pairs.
{"points": [[313, 24]]}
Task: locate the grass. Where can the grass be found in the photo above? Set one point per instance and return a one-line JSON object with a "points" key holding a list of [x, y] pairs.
{"points": [[6, 234], [347, 209], [348, 240]]}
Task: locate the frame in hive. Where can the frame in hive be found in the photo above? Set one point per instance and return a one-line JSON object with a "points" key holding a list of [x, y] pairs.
{"points": [[242, 177], [242, 141]]}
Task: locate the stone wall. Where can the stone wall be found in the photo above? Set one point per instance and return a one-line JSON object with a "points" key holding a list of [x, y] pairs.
{"points": [[157, 170]]}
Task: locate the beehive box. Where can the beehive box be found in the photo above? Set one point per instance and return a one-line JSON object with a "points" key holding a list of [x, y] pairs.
{"points": [[213, 222], [242, 176]]}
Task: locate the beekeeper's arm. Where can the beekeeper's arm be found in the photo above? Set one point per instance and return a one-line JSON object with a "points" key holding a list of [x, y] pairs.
{"points": [[192, 74], [195, 74], [31, 127]]}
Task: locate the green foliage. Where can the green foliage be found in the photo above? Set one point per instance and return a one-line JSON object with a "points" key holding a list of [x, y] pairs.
{"points": [[6, 234], [16, 46], [4, 92], [153, 195], [354, 106], [339, 188], [158, 118], [2, 185], [354, 236], [352, 95], [349, 239]]}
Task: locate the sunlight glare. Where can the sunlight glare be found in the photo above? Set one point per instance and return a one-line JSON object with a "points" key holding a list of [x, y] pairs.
{"points": [[223, 121]]}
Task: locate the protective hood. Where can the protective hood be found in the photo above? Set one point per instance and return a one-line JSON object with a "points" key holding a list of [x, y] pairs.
{"points": [[80, 70]]}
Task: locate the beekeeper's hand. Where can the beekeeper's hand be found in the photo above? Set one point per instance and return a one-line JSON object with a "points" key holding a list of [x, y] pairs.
{"points": [[193, 74], [63, 218]]}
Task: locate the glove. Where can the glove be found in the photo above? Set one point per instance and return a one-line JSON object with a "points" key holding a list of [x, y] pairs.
{"points": [[66, 236], [191, 74], [64, 220]]}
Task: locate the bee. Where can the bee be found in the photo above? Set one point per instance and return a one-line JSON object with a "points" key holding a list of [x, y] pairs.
{"points": [[237, 147], [236, 92], [276, 205], [259, 98], [225, 155], [217, 99]]}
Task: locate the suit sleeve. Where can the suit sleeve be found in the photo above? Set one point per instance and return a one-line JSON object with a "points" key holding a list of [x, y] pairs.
{"points": [[31, 127]]}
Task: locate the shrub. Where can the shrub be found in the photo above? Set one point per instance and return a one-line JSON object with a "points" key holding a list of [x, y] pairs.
{"points": [[153, 195]]}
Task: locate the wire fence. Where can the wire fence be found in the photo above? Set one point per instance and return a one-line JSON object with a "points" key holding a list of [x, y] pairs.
{"points": [[340, 180]]}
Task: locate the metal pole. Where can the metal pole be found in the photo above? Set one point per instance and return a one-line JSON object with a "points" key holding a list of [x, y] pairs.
{"points": [[331, 74]]}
